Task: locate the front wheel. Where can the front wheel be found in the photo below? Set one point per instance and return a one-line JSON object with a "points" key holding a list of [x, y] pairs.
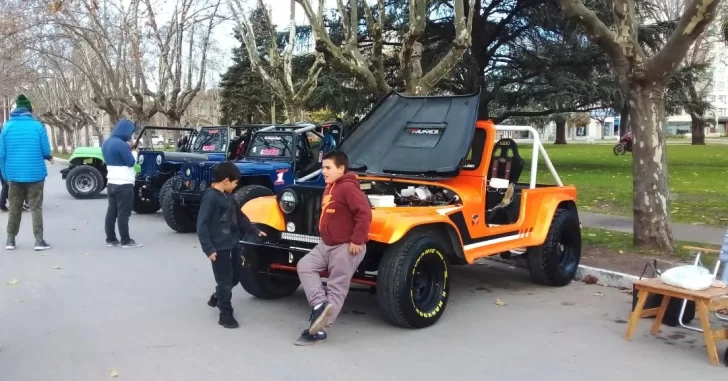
{"points": [[249, 192], [412, 282], [84, 182], [618, 149], [556, 261], [260, 284], [178, 217]]}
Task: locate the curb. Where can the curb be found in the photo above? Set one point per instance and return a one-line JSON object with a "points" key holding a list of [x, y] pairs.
{"points": [[590, 275]]}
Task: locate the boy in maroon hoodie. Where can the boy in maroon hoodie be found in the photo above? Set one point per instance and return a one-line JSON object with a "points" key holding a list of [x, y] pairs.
{"points": [[344, 229]]}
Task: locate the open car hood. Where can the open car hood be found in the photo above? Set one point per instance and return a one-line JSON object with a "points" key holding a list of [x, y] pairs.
{"points": [[423, 137]]}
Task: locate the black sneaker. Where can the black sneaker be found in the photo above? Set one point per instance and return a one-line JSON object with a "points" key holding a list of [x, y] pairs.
{"points": [[320, 316], [307, 338], [41, 245], [213, 301], [112, 243], [4, 209], [10, 243], [228, 321], [130, 244]]}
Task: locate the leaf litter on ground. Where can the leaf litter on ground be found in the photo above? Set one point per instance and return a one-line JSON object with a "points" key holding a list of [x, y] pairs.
{"points": [[499, 302], [12, 282]]}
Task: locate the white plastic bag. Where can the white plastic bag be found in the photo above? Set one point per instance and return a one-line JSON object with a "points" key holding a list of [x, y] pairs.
{"points": [[690, 277]]}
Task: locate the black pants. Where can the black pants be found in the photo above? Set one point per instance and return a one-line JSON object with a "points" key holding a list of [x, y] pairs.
{"points": [[226, 267], [3, 193], [121, 198]]}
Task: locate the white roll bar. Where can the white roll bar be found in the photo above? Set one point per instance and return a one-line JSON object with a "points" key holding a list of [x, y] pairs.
{"points": [[309, 127], [308, 177], [537, 148]]}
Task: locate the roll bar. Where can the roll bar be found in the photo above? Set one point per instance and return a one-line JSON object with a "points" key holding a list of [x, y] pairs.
{"points": [[537, 148]]}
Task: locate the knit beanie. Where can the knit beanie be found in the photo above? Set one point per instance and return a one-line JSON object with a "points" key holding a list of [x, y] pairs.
{"points": [[23, 102]]}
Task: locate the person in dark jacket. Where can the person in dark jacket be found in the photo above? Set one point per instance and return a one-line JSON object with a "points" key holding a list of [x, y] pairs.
{"points": [[344, 230], [220, 225], [23, 148], [120, 159]]}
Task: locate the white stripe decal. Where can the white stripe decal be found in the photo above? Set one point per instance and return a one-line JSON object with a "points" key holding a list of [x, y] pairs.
{"points": [[445, 211], [494, 241]]}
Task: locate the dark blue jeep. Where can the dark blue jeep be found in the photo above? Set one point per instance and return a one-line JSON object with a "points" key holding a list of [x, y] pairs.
{"points": [[158, 167], [275, 157]]}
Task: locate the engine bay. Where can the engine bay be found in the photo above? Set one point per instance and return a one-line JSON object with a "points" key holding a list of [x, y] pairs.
{"points": [[393, 194]]}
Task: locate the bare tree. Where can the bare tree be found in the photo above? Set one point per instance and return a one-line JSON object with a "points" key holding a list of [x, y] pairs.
{"points": [[369, 68], [277, 72], [643, 78]]}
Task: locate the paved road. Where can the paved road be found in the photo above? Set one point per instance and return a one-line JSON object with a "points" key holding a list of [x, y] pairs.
{"points": [[680, 231], [142, 312]]}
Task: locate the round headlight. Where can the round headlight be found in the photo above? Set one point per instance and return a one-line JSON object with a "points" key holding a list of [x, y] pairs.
{"points": [[141, 159], [159, 159], [188, 172], [287, 202], [290, 227]]}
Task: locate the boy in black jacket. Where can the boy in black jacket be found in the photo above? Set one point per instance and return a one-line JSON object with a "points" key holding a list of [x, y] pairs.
{"points": [[220, 224]]}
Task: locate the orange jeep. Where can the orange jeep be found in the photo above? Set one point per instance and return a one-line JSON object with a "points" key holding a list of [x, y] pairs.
{"points": [[444, 191]]}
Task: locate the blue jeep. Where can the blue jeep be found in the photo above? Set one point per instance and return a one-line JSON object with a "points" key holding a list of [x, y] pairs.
{"points": [[275, 157], [157, 167]]}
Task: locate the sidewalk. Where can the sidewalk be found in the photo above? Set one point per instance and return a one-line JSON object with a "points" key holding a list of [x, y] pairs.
{"points": [[681, 232]]}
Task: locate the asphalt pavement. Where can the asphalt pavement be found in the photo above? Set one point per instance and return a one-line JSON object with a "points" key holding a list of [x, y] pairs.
{"points": [[81, 311]]}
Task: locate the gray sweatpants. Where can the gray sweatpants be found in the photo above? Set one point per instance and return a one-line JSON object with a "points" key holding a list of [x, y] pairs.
{"points": [[341, 267]]}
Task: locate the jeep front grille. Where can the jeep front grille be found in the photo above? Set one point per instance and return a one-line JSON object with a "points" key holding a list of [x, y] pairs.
{"points": [[149, 166], [301, 238]]}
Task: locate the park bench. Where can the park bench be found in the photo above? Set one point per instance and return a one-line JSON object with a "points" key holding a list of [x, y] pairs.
{"points": [[706, 301]]}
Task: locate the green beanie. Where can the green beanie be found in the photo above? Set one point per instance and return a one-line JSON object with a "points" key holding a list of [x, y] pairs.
{"points": [[23, 102]]}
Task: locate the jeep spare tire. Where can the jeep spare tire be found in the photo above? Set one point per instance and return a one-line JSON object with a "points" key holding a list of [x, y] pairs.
{"points": [[249, 192], [84, 182], [144, 206], [412, 282], [555, 262]]}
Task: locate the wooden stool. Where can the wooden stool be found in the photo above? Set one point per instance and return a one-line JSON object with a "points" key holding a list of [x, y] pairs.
{"points": [[705, 301]]}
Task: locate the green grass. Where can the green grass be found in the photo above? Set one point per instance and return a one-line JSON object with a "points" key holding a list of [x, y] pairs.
{"points": [[698, 179], [622, 242]]}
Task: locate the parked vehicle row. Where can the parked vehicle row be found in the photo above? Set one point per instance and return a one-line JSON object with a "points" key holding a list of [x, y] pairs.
{"points": [[444, 190]]}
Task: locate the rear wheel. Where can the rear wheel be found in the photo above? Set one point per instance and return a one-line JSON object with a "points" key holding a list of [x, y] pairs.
{"points": [[412, 282], [556, 261], [84, 182], [178, 217], [260, 284], [618, 149]]}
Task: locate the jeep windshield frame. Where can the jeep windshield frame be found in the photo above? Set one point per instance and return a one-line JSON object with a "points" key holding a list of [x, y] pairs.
{"points": [[418, 137], [146, 134]]}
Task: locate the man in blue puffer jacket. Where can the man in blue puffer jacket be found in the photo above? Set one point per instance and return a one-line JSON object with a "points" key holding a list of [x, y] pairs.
{"points": [[23, 147]]}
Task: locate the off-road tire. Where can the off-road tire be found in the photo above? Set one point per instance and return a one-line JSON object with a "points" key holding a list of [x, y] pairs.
{"points": [[167, 187], [544, 262], [176, 216], [142, 206], [261, 285], [619, 149], [89, 173], [249, 192], [395, 279]]}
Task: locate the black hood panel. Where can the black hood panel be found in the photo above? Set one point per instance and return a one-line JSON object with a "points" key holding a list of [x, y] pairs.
{"points": [[413, 136]]}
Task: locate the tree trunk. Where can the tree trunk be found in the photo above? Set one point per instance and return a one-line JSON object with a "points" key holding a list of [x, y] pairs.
{"points": [[294, 112], [560, 131], [87, 135], [697, 130], [624, 120], [62, 138], [54, 139], [70, 140], [651, 195]]}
